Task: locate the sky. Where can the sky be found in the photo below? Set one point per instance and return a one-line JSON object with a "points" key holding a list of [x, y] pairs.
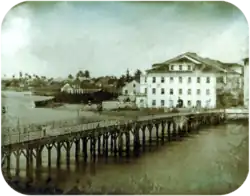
{"points": [[56, 39]]}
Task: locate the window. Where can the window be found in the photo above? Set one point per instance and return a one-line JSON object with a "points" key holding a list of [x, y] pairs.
{"points": [[171, 91], [171, 103], [162, 102], [134, 91], [162, 91], [180, 79], [154, 79], [153, 90], [153, 102], [171, 79], [219, 79], [208, 92], [141, 100], [145, 90], [180, 67], [198, 91], [189, 103], [208, 80], [145, 80], [198, 80], [189, 79], [198, 103], [180, 91], [189, 91], [134, 85], [172, 67], [189, 67], [126, 92], [162, 79]]}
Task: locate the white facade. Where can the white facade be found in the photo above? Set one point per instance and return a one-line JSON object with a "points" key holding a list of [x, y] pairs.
{"points": [[67, 88], [131, 88], [184, 79], [193, 79], [246, 83], [166, 94]]}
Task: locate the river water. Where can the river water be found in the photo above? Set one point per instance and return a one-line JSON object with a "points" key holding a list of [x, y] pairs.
{"points": [[215, 161]]}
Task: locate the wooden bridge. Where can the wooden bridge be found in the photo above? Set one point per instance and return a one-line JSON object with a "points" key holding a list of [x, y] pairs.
{"points": [[104, 138]]}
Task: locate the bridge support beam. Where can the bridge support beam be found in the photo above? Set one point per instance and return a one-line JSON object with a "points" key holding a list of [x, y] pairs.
{"points": [[58, 152], [120, 144], [163, 124], [38, 151], [136, 141], [29, 164], [157, 125], [174, 132], [77, 152], [84, 148], [8, 163], [127, 143], [144, 138]]}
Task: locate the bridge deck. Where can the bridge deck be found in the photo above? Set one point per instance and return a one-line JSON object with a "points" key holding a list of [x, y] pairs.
{"points": [[45, 133]]}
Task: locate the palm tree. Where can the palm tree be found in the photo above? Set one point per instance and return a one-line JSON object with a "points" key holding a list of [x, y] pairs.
{"points": [[87, 74], [79, 74]]}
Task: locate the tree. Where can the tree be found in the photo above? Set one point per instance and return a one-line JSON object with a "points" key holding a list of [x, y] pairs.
{"points": [[77, 81], [128, 77], [70, 77], [79, 74], [121, 81], [87, 74], [137, 74], [20, 74]]}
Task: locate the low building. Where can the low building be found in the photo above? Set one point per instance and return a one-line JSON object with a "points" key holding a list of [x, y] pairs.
{"points": [[67, 88], [131, 88], [42, 101]]}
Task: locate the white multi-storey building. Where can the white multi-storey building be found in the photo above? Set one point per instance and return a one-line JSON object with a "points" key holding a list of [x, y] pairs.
{"points": [[189, 77]]}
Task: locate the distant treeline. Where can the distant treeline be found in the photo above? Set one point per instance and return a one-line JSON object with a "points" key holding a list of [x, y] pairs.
{"points": [[95, 97]]}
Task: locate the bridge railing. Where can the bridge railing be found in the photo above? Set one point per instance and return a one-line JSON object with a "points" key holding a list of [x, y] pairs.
{"points": [[165, 115], [43, 132], [18, 137], [50, 124]]}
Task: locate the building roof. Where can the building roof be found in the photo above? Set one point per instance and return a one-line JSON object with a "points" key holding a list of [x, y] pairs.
{"points": [[210, 64], [91, 90], [134, 80], [41, 98]]}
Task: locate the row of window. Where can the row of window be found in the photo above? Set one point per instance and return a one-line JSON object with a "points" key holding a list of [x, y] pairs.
{"points": [[171, 91], [189, 103], [126, 92], [180, 67], [198, 79]]}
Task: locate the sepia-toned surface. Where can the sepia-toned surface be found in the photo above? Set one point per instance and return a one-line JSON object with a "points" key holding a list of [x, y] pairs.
{"points": [[193, 153], [212, 162]]}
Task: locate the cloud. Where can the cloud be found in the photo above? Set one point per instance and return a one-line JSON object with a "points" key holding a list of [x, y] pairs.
{"points": [[107, 38]]}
